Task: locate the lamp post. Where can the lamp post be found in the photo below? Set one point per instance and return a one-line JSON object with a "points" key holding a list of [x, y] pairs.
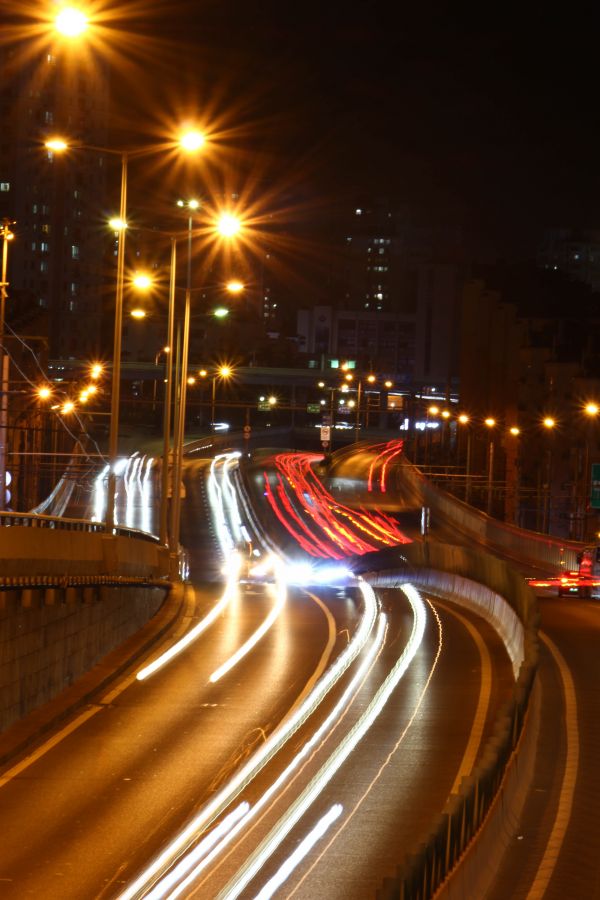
{"points": [[222, 372], [227, 226], [490, 423], [7, 235], [463, 419], [192, 205], [190, 141], [591, 410], [548, 424]]}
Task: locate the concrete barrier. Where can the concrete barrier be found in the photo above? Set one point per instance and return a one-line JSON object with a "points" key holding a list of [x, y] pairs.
{"points": [[48, 551]]}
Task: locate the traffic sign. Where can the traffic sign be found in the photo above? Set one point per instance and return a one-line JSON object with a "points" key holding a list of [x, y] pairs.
{"points": [[247, 431], [325, 434]]}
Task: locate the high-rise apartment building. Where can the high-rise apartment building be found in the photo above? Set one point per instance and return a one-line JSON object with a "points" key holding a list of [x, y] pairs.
{"points": [[57, 201]]}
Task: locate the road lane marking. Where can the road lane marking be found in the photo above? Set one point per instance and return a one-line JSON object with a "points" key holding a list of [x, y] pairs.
{"points": [[567, 790]]}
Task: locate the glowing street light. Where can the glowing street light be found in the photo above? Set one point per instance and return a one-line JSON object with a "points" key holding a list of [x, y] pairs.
{"points": [[235, 286], [490, 423], [44, 393], [192, 140], [228, 225], [57, 145], [71, 22], [142, 281], [138, 313], [7, 236]]}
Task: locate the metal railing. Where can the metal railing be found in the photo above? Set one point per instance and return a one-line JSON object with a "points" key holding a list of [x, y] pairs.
{"points": [[37, 520]]}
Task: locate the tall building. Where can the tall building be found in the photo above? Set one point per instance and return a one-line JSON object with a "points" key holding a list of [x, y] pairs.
{"points": [[56, 201], [394, 298]]}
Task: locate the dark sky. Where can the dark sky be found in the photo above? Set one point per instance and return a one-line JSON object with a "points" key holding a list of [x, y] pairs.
{"points": [[492, 115]]}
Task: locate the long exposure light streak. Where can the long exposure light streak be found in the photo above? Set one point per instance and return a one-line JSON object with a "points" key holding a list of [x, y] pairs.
{"points": [[200, 850], [260, 632], [303, 755], [271, 746], [302, 850], [390, 755], [277, 834], [195, 632]]}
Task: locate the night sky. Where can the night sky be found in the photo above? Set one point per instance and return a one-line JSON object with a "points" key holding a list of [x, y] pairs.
{"points": [[483, 115]]}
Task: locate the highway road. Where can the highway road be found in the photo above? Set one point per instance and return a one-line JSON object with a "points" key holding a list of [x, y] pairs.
{"points": [[94, 807]]}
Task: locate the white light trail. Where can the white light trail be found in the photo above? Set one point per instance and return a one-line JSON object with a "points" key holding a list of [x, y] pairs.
{"points": [[302, 850], [182, 868], [277, 834], [286, 776], [190, 636], [272, 745], [100, 495], [260, 632]]}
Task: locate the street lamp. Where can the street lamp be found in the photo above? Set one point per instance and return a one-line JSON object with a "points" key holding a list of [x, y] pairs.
{"points": [[7, 236], [222, 372], [463, 419], [189, 141], [490, 423], [548, 422], [71, 22], [227, 225], [591, 410]]}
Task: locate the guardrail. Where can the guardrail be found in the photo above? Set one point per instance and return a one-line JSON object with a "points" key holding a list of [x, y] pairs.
{"points": [[38, 520], [503, 598]]}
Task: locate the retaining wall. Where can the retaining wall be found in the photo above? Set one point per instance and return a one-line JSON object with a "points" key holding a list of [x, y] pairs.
{"points": [[50, 636], [67, 598]]}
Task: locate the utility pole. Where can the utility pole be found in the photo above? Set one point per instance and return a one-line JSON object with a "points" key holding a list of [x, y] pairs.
{"points": [[7, 235]]}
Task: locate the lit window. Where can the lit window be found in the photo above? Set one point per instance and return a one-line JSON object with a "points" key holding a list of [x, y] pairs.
{"points": [[46, 228], [359, 212], [44, 247], [34, 208], [49, 117], [75, 251], [5, 186], [33, 245], [42, 302], [73, 287], [43, 266]]}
